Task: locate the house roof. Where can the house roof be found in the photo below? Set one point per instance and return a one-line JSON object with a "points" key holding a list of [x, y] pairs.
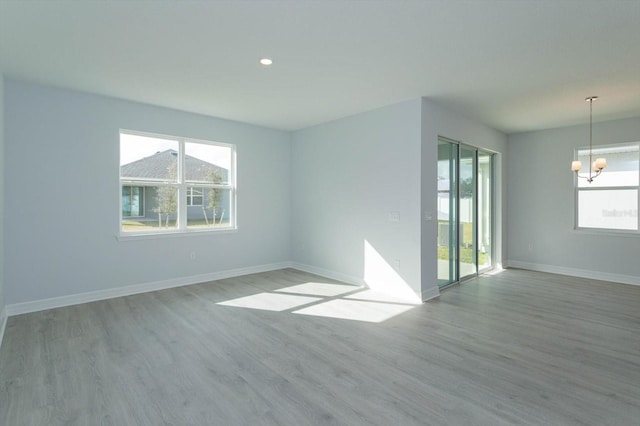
{"points": [[158, 165]]}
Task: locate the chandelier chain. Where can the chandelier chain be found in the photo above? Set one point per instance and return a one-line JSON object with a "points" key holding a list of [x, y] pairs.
{"points": [[595, 168]]}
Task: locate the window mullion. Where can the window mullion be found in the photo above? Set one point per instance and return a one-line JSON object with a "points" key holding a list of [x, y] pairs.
{"points": [[182, 188]]}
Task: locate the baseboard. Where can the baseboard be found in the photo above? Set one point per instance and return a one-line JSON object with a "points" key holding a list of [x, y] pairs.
{"points": [[430, 294], [93, 296], [338, 276], [3, 323], [582, 273]]}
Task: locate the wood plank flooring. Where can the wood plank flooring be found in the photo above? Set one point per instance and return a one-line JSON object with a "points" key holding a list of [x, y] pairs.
{"points": [[517, 347]]}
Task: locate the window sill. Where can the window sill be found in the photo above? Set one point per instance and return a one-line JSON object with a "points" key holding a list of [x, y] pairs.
{"points": [[132, 236], [605, 232]]}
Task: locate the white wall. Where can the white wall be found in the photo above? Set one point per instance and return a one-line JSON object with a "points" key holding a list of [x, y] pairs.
{"points": [[347, 176], [61, 150], [541, 206], [439, 121]]}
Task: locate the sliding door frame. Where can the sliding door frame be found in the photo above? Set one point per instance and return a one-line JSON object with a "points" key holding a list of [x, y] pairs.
{"points": [[476, 204], [474, 212], [492, 206]]}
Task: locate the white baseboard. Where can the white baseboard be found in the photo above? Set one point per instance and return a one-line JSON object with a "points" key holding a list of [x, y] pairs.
{"points": [[431, 293], [582, 273], [3, 323], [93, 296], [338, 276]]}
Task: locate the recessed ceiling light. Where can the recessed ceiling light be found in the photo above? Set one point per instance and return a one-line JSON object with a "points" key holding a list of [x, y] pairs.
{"points": [[266, 61]]}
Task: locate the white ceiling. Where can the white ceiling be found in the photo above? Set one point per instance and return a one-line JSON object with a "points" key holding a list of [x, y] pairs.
{"points": [[515, 65]]}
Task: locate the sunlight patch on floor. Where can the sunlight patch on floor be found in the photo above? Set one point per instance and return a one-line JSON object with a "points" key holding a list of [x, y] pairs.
{"points": [[270, 301], [355, 310], [328, 300], [319, 289]]}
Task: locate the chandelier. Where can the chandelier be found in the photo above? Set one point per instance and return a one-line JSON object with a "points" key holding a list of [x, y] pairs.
{"points": [[595, 166]]}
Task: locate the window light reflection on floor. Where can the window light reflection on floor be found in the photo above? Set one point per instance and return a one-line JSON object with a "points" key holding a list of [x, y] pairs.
{"points": [[270, 301], [356, 310], [319, 289], [340, 301]]}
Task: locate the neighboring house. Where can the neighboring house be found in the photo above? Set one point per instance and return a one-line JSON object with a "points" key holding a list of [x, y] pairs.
{"points": [[139, 203]]}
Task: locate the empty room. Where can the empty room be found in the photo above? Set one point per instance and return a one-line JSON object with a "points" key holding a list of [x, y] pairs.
{"points": [[341, 212]]}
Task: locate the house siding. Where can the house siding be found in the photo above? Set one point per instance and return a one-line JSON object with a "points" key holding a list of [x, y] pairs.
{"points": [[193, 212]]}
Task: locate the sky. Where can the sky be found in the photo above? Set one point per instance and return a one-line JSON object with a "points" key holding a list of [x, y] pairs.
{"points": [[135, 147]]}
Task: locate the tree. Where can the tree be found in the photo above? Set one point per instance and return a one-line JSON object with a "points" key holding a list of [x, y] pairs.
{"points": [[467, 188], [167, 197], [215, 194]]}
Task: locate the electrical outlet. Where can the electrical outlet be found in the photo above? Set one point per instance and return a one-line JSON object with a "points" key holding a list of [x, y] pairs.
{"points": [[396, 265], [393, 217], [192, 255]]}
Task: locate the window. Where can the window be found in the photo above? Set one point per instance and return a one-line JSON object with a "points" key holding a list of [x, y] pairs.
{"points": [[171, 184], [194, 196], [611, 200], [132, 201]]}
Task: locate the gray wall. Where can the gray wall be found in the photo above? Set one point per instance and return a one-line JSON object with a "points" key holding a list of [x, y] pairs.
{"points": [[541, 206], [347, 176], [62, 161], [439, 121]]}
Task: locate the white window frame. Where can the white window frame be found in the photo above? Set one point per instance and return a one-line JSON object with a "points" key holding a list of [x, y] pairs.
{"points": [[578, 189], [182, 187]]}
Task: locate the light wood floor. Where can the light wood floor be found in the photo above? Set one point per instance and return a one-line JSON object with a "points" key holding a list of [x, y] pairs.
{"points": [[517, 347]]}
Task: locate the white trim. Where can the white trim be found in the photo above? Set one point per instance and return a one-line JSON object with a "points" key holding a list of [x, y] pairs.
{"points": [[582, 273], [92, 296], [347, 279], [626, 233], [3, 323], [149, 235]]}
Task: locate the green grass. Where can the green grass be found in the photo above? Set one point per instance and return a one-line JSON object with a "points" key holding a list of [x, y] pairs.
{"points": [[466, 255]]}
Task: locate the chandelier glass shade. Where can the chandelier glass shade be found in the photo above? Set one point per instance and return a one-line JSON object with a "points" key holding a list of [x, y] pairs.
{"points": [[595, 167]]}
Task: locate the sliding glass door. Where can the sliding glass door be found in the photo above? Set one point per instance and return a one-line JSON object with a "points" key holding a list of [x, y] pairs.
{"points": [[468, 206], [447, 213], [465, 211], [485, 210]]}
